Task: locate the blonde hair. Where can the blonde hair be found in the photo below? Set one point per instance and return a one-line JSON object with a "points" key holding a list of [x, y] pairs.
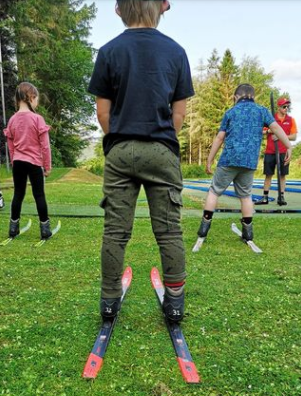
{"points": [[25, 92], [140, 12]]}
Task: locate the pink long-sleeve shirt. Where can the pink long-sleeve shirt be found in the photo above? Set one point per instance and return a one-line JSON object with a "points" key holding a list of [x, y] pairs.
{"points": [[28, 139]]}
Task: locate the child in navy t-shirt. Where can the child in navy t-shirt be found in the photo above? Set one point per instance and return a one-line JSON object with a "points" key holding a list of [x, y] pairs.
{"points": [[141, 81]]}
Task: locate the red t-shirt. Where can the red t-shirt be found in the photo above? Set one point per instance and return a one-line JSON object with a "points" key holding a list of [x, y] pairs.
{"points": [[288, 124]]}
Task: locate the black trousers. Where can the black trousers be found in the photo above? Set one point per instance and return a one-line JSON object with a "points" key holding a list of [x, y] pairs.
{"points": [[21, 171]]}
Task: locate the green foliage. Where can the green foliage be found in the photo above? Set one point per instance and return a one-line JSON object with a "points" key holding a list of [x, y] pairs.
{"points": [[214, 88], [4, 174], [56, 157], [297, 152], [9, 72], [193, 171], [53, 53], [96, 164], [253, 73]]}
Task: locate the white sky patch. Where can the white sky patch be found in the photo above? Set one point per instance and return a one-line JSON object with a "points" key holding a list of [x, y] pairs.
{"points": [[287, 77], [287, 70]]}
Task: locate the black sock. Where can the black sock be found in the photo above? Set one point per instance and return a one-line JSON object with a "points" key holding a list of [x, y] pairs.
{"points": [[247, 220], [208, 214], [266, 192]]}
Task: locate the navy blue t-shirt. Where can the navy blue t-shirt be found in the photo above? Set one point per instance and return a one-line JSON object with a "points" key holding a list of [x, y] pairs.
{"points": [[142, 72]]}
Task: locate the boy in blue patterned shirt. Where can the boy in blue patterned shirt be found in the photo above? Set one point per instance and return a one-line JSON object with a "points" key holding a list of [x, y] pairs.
{"points": [[241, 133]]}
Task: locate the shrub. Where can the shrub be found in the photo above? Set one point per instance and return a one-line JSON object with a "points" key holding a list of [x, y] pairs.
{"points": [[193, 171], [94, 165]]}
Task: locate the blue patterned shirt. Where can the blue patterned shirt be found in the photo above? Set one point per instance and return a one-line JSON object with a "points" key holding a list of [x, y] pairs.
{"points": [[243, 125]]}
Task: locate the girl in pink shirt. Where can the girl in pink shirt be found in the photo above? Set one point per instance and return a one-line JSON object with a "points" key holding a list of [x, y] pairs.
{"points": [[29, 149]]}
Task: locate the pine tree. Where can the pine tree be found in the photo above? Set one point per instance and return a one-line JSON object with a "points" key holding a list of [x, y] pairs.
{"points": [[214, 89], [53, 53], [9, 71]]}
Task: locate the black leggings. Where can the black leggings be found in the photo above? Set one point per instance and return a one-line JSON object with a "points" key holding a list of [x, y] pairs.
{"points": [[21, 171]]}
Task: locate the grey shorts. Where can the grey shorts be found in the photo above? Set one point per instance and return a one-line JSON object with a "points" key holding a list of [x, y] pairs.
{"points": [[242, 179]]}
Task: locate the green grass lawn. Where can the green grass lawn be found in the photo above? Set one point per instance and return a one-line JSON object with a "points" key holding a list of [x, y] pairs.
{"points": [[242, 320]]}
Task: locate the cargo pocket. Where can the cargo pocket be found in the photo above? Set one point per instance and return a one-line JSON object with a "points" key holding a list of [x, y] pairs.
{"points": [[175, 197], [174, 209]]}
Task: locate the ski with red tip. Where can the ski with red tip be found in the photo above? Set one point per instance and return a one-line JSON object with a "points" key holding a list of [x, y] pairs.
{"points": [[96, 357], [187, 367]]}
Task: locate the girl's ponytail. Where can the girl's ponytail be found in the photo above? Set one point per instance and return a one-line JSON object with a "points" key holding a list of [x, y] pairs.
{"points": [[25, 92]]}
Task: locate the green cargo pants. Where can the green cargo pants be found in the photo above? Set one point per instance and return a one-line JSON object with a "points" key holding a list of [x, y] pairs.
{"points": [[129, 165]]}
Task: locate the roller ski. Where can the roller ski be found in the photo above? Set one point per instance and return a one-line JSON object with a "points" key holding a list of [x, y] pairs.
{"points": [[96, 357], [15, 231], [202, 234], [186, 364], [246, 236], [46, 232]]}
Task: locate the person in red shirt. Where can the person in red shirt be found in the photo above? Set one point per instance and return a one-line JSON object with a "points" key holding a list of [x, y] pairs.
{"points": [[30, 155], [288, 124]]}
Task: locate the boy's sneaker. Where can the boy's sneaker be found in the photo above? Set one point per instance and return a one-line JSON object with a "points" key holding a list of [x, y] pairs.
{"points": [[14, 228], [204, 227], [247, 231], [281, 201], [2, 203], [109, 307], [263, 201], [173, 306], [45, 229]]}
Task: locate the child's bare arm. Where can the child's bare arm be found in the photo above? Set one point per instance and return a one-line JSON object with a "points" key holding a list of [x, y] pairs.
{"points": [[103, 107], [178, 114], [217, 142]]}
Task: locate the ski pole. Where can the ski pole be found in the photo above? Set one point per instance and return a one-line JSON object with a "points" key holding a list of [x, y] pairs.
{"points": [[276, 151]]}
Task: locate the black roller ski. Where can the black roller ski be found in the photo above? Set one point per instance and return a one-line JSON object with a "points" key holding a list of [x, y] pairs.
{"points": [[54, 231], [187, 367], [96, 357], [22, 231], [251, 244]]}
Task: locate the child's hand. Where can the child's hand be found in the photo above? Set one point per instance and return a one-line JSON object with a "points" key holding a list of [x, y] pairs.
{"points": [[47, 173], [208, 168]]}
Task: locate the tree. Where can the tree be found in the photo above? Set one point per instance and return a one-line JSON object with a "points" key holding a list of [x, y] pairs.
{"points": [[214, 95], [229, 77], [53, 53], [9, 70], [253, 73], [214, 88]]}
